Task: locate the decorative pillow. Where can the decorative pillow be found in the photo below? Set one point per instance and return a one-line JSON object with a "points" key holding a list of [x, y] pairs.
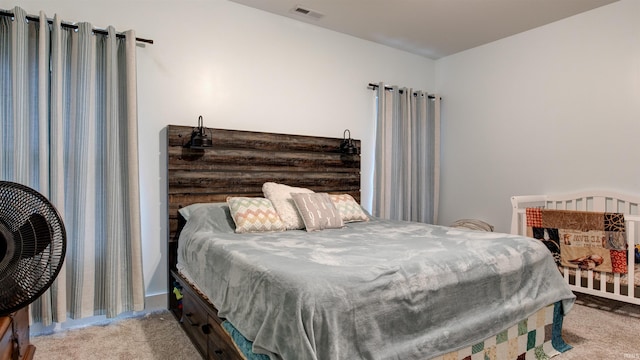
{"points": [[317, 211], [280, 196], [254, 215], [348, 207]]}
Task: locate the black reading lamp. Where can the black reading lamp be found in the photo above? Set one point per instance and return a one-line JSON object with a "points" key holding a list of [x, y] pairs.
{"points": [[199, 139], [347, 146]]}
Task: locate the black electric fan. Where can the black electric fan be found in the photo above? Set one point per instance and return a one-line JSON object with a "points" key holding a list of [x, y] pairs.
{"points": [[32, 246]]}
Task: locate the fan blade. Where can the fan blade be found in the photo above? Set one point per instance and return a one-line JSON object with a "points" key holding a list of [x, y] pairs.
{"points": [[7, 245], [35, 234]]}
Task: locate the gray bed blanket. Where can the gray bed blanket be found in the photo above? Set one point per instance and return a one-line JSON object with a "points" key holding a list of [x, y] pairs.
{"points": [[373, 290]]}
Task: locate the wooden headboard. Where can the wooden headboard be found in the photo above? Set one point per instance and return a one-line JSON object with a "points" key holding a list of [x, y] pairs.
{"points": [[241, 161]]}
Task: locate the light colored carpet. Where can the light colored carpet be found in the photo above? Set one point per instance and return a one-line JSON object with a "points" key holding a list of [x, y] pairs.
{"points": [[153, 336], [598, 329], [602, 329]]}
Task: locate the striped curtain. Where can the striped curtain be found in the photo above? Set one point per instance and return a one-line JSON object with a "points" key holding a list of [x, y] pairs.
{"points": [[407, 155], [69, 130]]}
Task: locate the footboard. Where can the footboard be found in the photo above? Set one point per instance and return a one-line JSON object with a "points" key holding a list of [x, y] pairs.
{"points": [[622, 287]]}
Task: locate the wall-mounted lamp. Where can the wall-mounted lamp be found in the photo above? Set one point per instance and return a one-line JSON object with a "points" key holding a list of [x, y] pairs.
{"points": [[347, 146], [199, 139]]}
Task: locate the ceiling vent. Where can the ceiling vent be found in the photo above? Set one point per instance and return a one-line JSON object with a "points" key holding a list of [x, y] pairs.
{"points": [[306, 12]]}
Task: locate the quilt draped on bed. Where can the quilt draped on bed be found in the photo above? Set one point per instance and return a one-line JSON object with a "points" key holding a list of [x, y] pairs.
{"points": [[375, 290]]}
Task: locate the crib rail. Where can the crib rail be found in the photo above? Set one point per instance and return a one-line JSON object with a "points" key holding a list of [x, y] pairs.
{"points": [[619, 287]]}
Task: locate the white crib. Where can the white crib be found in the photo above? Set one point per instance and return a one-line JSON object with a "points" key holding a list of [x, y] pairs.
{"points": [[622, 287]]}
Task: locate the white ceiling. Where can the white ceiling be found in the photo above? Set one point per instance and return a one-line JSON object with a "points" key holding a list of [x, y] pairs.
{"points": [[430, 28]]}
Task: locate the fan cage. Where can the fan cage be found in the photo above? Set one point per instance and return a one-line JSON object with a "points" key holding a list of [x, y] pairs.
{"points": [[39, 245]]}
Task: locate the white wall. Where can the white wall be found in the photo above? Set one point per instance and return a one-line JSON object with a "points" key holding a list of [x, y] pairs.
{"points": [[554, 109], [241, 69]]}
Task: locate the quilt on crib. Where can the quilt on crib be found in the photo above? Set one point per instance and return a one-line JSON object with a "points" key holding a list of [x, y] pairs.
{"points": [[581, 239]]}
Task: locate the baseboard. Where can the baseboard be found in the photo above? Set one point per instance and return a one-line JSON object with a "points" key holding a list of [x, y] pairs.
{"points": [[152, 303], [156, 302]]}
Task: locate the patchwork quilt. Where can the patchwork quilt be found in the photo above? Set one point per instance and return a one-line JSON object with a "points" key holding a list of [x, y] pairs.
{"points": [[537, 337], [581, 239]]}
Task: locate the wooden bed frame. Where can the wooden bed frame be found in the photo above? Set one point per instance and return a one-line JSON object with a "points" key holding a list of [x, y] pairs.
{"points": [[237, 165], [601, 201]]}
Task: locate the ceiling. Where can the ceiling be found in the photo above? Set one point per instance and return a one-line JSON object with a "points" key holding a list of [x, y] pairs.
{"points": [[430, 28]]}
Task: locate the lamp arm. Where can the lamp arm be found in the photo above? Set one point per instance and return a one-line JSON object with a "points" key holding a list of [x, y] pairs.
{"points": [[200, 125]]}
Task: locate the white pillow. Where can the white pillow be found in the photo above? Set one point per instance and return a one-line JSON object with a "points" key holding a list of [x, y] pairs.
{"points": [[280, 196]]}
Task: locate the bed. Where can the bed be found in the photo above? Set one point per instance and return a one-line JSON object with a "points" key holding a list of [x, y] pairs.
{"points": [[287, 294], [623, 286]]}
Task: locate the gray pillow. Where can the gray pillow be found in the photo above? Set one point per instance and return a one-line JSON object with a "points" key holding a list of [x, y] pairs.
{"points": [[214, 217], [317, 211]]}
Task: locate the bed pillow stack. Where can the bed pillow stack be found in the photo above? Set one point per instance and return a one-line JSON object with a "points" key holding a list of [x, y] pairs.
{"points": [[313, 211], [285, 207]]}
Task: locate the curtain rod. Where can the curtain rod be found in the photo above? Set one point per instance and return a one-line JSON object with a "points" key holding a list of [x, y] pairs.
{"points": [[72, 26], [375, 86]]}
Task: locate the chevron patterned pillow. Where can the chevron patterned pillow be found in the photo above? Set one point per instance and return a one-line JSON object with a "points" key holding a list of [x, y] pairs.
{"points": [[348, 208], [254, 215]]}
